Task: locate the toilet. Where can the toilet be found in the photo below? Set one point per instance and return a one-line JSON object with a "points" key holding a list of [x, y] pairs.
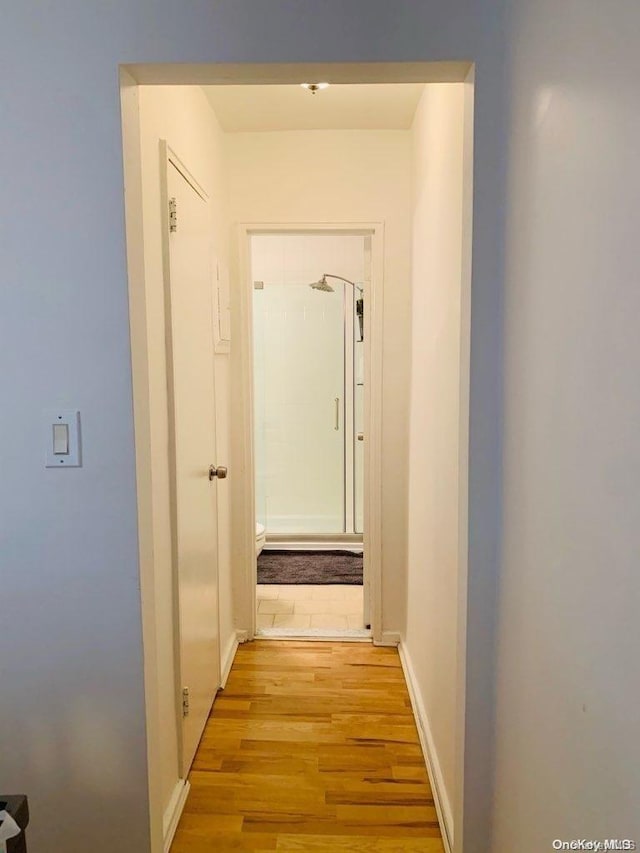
{"points": [[261, 538]]}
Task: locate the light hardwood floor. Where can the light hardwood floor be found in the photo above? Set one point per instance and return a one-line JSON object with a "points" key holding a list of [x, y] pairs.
{"points": [[311, 747]]}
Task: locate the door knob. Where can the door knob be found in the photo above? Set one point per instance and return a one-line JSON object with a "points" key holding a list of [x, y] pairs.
{"points": [[220, 472]]}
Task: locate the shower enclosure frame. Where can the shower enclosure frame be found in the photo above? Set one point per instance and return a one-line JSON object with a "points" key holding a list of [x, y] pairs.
{"points": [[372, 498]]}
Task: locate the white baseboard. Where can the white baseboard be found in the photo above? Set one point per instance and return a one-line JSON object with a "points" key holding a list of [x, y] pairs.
{"points": [[349, 543], [173, 812], [388, 638], [229, 654], [337, 635], [440, 798]]}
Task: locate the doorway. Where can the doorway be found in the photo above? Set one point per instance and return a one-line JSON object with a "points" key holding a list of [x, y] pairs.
{"points": [[330, 378], [271, 201], [308, 309]]}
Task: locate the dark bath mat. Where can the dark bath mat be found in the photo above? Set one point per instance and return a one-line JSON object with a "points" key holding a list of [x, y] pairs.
{"points": [[314, 567]]}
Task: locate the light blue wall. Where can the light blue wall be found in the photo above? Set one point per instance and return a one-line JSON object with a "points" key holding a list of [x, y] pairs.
{"points": [[568, 692], [72, 710]]}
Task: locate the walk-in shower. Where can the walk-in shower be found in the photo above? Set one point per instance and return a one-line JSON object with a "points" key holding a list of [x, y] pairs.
{"points": [[309, 384]]}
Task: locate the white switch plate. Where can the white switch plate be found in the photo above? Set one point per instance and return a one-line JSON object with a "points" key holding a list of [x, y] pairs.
{"points": [[70, 417]]}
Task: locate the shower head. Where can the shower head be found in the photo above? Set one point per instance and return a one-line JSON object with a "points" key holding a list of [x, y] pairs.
{"points": [[322, 285]]}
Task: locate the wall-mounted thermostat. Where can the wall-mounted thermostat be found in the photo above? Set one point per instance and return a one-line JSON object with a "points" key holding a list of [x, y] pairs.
{"points": [[62, 436]]}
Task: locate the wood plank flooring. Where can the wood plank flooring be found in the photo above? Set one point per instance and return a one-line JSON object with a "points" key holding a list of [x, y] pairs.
{"points": [[310, 747]]}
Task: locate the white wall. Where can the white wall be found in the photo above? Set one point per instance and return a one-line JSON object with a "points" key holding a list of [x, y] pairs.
{"points": [[433, 549], [182, 116], [72, 716], [568, 751], [348, 177]]}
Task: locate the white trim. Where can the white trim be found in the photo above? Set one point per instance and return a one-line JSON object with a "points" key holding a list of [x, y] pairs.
{"points": [[314, 537], [246, 509], [440, 797], [372, 504], [388, 638], [228, 655], [136, 271], [265, 73], [372, 418], [173, 812], [322, 635], [314, 545]]}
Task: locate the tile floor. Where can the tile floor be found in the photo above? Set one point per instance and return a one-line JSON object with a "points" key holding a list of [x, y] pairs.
{"points": [[309, 606]]}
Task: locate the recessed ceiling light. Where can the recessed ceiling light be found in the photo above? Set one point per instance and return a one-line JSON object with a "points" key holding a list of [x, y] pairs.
{"points": [[314, 87]]}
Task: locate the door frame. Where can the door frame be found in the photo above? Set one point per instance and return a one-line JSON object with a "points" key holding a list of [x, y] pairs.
{"points": [[479, 421], [372, 505]]}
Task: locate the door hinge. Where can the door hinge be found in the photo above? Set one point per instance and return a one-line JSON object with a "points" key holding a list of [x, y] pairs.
{"points": [[173, 215], [185, 701]]}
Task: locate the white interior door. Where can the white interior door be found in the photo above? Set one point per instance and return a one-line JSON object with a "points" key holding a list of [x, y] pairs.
{"points": [[193, 397]]}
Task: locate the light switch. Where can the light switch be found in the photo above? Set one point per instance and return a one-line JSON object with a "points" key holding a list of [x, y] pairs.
{"points": [[61, 439], [62, 431]]}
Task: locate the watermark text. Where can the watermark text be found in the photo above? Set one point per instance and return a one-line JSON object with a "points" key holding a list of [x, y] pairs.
{"points": [[592, 844]]}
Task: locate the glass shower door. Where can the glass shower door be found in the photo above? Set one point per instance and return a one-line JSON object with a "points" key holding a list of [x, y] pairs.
{"points": [[299, 368]]}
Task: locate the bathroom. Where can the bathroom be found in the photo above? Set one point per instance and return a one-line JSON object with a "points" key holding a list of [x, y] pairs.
{"points": [[309, 300]]}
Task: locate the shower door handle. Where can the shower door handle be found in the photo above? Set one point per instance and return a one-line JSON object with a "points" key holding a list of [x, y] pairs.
{"points": [[337, 405]]}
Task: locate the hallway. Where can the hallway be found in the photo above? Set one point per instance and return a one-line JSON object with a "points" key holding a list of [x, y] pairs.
{"points": [[311, 747]]}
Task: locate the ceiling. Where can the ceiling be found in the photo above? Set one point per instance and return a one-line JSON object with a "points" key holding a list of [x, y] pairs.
{"points": [[360, 106]]}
